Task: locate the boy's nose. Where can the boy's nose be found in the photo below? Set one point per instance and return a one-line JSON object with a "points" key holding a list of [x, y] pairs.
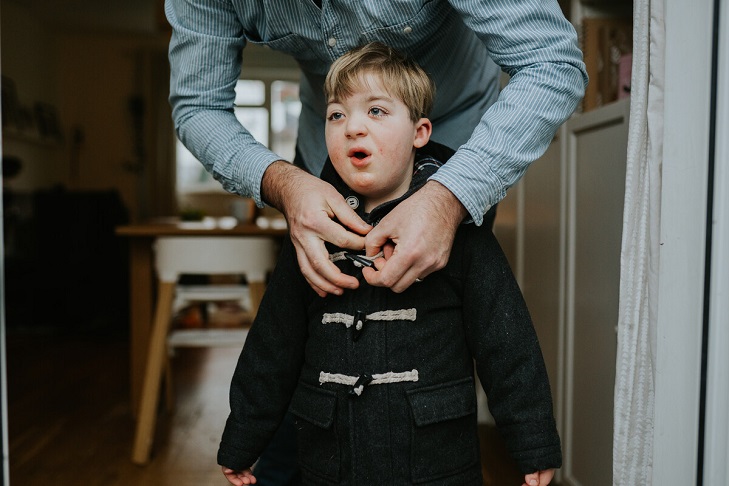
{"points": [[355, 127]]}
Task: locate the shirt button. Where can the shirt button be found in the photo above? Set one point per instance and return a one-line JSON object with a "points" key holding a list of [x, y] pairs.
{"points": [[332, 42], [407, 29]]}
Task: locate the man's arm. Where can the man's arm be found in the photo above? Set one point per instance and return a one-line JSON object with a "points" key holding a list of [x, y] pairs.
{"points": [[205, 59], [205, 64], [537, 47], [533, 42]]}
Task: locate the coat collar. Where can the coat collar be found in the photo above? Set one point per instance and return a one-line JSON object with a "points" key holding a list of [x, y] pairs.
{"points": [[428, 160]]}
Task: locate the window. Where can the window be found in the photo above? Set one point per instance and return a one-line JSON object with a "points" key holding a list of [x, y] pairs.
{"points": [[269, 109]]}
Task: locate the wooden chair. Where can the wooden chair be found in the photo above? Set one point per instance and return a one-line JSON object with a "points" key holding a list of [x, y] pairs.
{"points": [[190, 255]]}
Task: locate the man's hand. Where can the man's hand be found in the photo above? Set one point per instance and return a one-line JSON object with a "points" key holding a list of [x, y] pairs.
{"points": [[422, 229], [310, 205]]}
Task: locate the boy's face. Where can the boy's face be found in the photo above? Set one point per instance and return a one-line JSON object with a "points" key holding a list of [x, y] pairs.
{"points": [[371, 141]]}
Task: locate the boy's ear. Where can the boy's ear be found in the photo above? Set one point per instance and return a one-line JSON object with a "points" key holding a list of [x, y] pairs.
{"points": [[423, 129]]}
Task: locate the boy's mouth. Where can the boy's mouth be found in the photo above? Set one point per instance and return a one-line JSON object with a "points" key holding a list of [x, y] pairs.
{"points": [[357, 155]]}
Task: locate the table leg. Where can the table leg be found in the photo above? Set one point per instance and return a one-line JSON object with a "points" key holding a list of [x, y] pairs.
{"points": [[141, 295]]}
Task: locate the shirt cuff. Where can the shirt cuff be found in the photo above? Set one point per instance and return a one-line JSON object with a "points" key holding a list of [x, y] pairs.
{"points": [[250, 172], [473, 183]]}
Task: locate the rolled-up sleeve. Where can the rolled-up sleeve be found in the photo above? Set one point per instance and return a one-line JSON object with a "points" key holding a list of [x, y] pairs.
{"points": [[205, 59], [532, 42]]}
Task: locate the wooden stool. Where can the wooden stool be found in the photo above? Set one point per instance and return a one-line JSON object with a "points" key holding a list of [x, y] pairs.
{"points": [[251, 256]]}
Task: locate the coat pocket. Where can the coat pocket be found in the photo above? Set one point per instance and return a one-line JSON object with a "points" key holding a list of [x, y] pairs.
{"points": [[318, 443], [444, 431]]}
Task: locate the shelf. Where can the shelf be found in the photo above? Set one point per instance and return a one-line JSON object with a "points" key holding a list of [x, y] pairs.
{"points": [[9, 135]]}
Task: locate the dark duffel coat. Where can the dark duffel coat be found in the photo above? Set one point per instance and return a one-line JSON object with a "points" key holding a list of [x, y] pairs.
{"points": [[382, 384]]}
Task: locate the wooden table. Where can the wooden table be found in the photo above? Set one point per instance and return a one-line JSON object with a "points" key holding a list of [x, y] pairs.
{"points": [[142, 278]]}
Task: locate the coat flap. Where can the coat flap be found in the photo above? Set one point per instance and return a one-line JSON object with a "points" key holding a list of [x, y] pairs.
{"points": [[445, 401], [314, 404]]}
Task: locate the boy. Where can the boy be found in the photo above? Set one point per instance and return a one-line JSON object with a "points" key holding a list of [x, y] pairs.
{"points": [[381, 384]]}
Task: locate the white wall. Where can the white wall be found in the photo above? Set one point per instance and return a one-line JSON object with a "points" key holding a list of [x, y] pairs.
{"points": [[716, 467], [688, 28]]}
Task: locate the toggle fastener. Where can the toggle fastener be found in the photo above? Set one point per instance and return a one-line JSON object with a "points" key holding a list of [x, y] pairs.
{"points": [[359, 320], [359, 385], [360, 259]]}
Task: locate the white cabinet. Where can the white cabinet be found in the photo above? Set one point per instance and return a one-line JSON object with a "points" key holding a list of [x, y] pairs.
{"points": [[561, 228]]}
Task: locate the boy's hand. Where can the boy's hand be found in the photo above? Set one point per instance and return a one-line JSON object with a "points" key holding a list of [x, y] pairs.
{"points": [[239, 478], [422, 229], [539, 478], [310, 205]]}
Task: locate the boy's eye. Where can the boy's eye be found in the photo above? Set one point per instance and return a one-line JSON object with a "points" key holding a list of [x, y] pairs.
{"points": [[376, 111], [335, 116]]}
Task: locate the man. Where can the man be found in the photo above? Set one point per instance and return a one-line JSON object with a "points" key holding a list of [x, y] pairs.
{"points": [[497, 135]]}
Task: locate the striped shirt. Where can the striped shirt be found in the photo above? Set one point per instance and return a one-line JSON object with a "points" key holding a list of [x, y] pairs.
{"points": [[460, 43]]}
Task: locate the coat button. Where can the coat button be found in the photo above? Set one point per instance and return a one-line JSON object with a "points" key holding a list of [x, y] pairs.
{"points": [[332, 42], [407, 29]]}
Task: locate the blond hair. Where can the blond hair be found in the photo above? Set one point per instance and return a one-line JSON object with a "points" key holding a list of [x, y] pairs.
{"points": [[401, 76]]}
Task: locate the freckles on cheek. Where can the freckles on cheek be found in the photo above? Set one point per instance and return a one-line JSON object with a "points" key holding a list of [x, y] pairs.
{"points": [[334, 149]]}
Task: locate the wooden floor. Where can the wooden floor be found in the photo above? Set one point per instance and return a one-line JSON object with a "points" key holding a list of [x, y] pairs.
{"points": [[70, 422]]}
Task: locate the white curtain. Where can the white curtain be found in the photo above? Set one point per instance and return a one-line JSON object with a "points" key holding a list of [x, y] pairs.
{"points": [[634, 384]]}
